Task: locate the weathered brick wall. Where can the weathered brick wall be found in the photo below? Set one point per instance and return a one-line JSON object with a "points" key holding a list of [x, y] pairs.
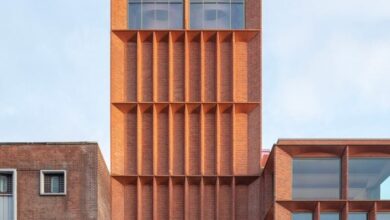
{"points": [[81, 163]]}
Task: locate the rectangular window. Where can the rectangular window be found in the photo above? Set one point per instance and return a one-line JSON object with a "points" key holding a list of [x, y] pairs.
{"points": [[302, 216], [155, 14], [369, 179], [357, 216], [330, 216], [383, 216], [316, 178], [6, 184], [217, 14], [53, 182]]}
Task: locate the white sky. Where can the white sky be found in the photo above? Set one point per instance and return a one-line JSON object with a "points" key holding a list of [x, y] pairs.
{"points": [[326, 70]]}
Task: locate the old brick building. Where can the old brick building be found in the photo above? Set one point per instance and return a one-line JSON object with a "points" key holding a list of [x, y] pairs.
{"points": [[185, 109], [42, 181]]}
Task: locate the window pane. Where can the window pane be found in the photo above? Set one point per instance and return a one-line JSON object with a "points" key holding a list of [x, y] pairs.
{"points": [[134, 16], [383, 216], [369, 179], [316, 178], [196, 16], [176, 16], [237, 16], [357, 216], [210, 16], [55, 184], [330, 216], [223, 16], [161, 16], [302, 216], [3, 183], [148, 19]]}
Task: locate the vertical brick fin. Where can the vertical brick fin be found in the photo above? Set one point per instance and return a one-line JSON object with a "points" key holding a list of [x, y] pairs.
{"points": [[147, 198], [194, 211], [178, 63], [162, 66], [241, 69], [118, 68], [241, 209], [162, 198], [147, 66], [254, 69], [131, 69], [163, 141], [194, 67], [225, 198], [194, 140], [226, 147], [240, 143], [226, 60], [147, 140], [209, 128], [210, 60], [130, 195], [209, 202], [253, 198], [253, 112], [177, 212], [118, 140], [118, 200], [130, 153], [178, 140]]}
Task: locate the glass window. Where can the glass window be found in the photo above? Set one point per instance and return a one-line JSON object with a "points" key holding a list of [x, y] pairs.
{"points": [[217, 14], [383, 216], [302, 216], [357, 216], [316, 178], [53, 182], [5, 183], [329, 216], [369, 179], [155, 14]]}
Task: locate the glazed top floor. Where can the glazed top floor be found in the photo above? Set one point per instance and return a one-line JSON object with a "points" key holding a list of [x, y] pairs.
{"points": [[185, 14]]}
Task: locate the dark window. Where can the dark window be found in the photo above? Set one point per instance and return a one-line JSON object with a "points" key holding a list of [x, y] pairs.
{"points": [[5, 183], [155, 14], [217, 14], [369, 178], [316, 178], [53, 182]]}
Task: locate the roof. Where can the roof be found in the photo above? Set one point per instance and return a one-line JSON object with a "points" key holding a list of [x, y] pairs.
{"points": [[330, 141], [49, 143]]}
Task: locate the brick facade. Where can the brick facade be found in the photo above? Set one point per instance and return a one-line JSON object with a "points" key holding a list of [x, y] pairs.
{"points": [[88, 186]]}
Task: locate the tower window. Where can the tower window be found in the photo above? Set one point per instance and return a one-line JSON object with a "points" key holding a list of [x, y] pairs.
{"points": [[53, 182], [155, 14], [217, 14]]}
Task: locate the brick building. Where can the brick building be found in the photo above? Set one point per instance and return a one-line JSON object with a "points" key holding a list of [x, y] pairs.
{"points": [[327, 180], [185, 109], [42, 181]]}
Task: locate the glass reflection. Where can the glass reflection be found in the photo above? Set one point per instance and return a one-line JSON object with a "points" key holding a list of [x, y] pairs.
{"points": [[383, 216], [357, 216], [302, 216], [369, 178], [330, 216], [316, 178]]}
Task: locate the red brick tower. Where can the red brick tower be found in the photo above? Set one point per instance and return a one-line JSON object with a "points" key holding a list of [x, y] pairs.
{"points": [[185, 109]]}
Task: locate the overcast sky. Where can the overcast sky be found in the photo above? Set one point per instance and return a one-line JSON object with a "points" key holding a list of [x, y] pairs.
{"points": [[326, 70]]}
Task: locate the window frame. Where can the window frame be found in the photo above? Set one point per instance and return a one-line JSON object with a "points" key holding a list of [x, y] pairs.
{"points": [[42, 182], [317, 158], [14, 189]]}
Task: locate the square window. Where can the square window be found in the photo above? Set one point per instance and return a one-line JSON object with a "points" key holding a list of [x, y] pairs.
{"points": [[53, 182]]}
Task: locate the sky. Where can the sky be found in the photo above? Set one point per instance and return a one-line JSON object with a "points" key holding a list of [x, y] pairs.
{"points": [[326, 70]]}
